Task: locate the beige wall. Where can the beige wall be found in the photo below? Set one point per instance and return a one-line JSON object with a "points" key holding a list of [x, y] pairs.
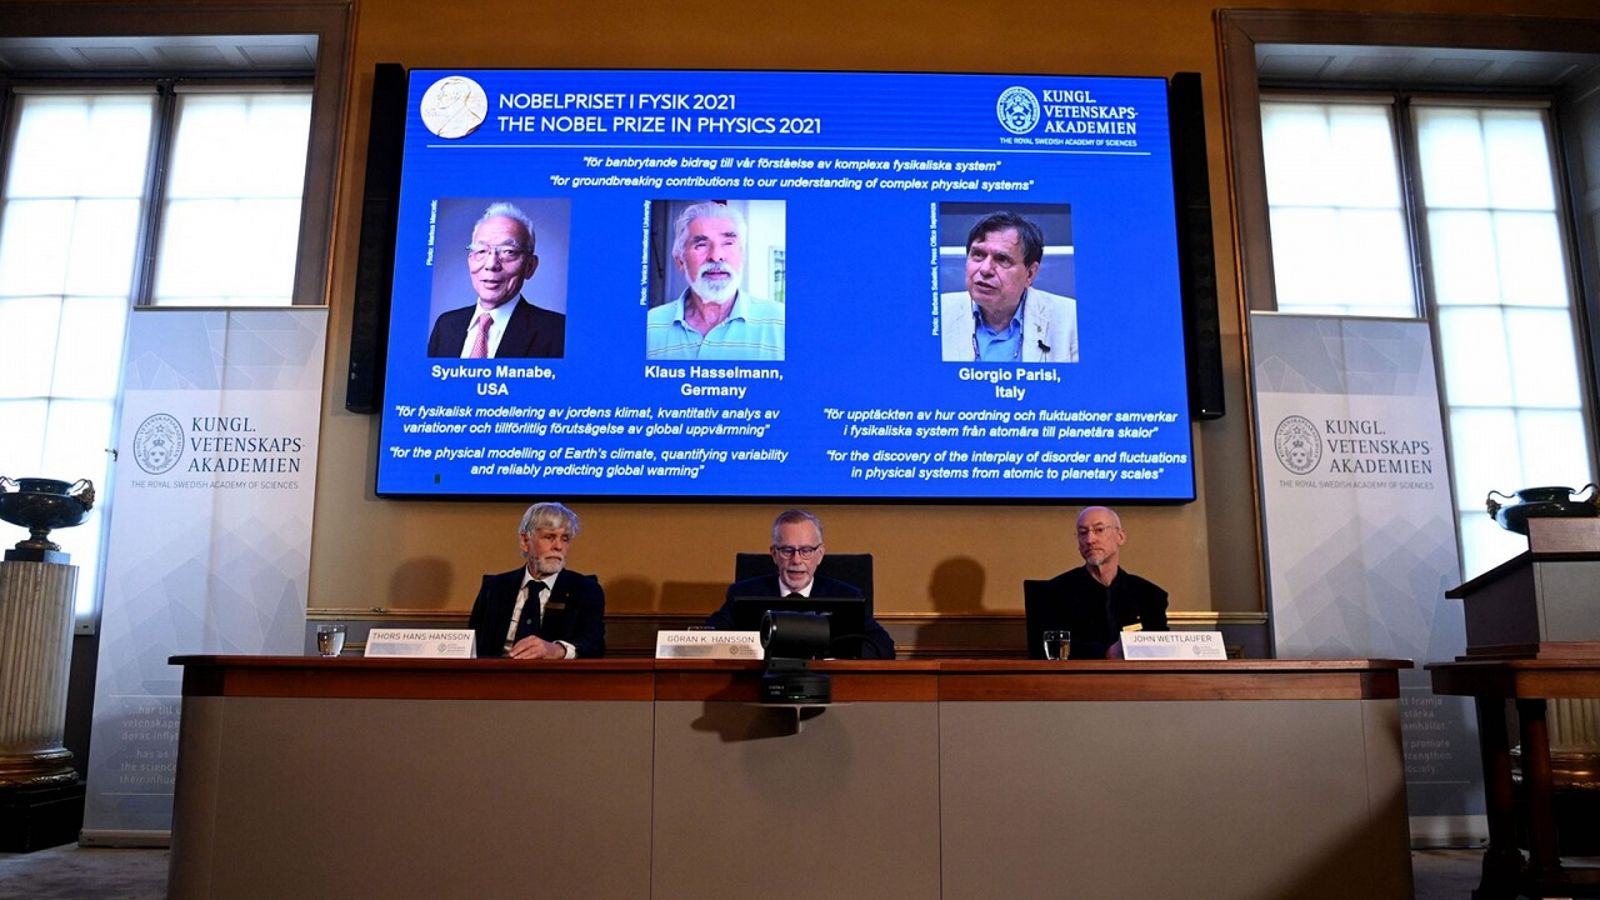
{"points": [[677, 557]]}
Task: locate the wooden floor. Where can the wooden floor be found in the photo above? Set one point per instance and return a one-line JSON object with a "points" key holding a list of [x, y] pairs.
{"points": [[74, 873]]}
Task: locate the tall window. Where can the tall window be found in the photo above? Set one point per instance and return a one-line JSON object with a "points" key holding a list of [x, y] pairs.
{"points": [[1338, 216], [1492, 252], [231, 221], [205, 186]]}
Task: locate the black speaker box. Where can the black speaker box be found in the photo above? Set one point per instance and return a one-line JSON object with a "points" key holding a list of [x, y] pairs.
{"points": [[369, 320], [1197, 261]]}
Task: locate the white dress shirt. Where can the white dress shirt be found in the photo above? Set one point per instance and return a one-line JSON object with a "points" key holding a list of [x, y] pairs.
{"points": [[549, 582], [501, 315]]}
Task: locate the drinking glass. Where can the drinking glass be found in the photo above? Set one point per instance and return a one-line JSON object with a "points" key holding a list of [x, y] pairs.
{"points": [[1057, 644], [330, 640]]}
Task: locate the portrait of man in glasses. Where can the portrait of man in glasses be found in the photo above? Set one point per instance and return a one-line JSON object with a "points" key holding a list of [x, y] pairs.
{"points": [[1003, 313], [502, 323], [1099, 600], [797, 551]]}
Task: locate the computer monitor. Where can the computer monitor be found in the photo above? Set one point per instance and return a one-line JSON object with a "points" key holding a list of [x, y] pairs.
{"points": [[847, 619]]}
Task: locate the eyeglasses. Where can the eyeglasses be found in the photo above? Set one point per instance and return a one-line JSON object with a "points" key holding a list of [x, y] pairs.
{"points": [[506, 253], [788, 551], [1097, 530]]}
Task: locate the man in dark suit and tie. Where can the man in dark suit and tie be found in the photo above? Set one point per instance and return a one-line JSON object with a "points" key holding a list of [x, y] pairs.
{"points": [[501, 324], [797, 550], [542, 610]]}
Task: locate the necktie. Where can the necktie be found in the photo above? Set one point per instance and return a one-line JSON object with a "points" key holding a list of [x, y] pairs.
{"points": [[480, 340], [529, 624]]}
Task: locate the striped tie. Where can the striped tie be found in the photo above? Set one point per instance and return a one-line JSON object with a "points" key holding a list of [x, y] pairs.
{"points": [[480, 340]]}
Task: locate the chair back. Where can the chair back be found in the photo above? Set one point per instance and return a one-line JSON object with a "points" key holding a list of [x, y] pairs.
{"points": [[1043, 612], [851, 568]]}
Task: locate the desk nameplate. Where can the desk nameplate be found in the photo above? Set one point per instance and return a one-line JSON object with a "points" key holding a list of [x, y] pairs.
{"points": [[707, 644], [1148, 645], [420, 643]]}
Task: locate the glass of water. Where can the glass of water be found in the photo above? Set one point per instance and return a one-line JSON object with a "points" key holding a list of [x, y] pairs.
{"points": [[330, 639], [1057, 644]]}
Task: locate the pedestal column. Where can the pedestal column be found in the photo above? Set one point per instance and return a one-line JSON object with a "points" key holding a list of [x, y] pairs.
{"points": [[36, 606]]}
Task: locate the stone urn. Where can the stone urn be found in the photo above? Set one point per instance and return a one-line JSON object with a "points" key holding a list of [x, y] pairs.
{"points": [[40, 505]]}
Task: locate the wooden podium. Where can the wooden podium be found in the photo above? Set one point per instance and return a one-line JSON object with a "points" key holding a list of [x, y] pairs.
{"points": [[1533, 640], [1542, 604]]}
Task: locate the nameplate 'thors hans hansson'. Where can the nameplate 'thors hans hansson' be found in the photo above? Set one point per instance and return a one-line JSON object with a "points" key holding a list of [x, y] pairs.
{"points": [[421, 643]]}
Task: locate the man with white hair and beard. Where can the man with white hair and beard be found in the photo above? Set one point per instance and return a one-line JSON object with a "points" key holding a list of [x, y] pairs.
{"points": [[713, 318], [542, 610], [1099, 600]]}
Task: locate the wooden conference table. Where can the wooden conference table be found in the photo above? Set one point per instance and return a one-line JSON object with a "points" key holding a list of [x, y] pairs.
{"points": [[1529, 683], [665, 779]]}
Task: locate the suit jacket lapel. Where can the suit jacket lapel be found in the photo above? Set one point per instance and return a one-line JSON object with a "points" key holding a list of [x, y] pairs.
{"points": [[1035, 328], [519, 331], [506, 601], [966, 331]]}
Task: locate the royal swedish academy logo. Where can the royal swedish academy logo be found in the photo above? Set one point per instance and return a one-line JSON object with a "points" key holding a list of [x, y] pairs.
{"points": [[158, 444], [1298, 445], [1017, 109]]}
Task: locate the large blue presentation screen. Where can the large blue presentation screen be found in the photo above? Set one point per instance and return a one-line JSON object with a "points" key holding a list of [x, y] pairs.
{"points": [[826, 285]]}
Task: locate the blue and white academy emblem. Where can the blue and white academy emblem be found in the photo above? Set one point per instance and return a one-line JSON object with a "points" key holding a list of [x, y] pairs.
{"points": [[1017, 109], [158, 444], [454, 106], [1298, 444]]}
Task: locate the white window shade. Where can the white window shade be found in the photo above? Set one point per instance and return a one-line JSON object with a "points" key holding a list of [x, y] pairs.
{"points": [[1493, 253], [74, 227], [231, 227], [1339, 238]]}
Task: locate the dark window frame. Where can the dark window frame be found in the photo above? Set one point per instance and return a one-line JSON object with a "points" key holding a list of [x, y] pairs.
{"points": [[331, 22]]}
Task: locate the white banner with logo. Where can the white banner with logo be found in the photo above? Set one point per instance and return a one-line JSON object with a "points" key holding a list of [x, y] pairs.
{"points": [[210, 540], [1360, 531]]}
